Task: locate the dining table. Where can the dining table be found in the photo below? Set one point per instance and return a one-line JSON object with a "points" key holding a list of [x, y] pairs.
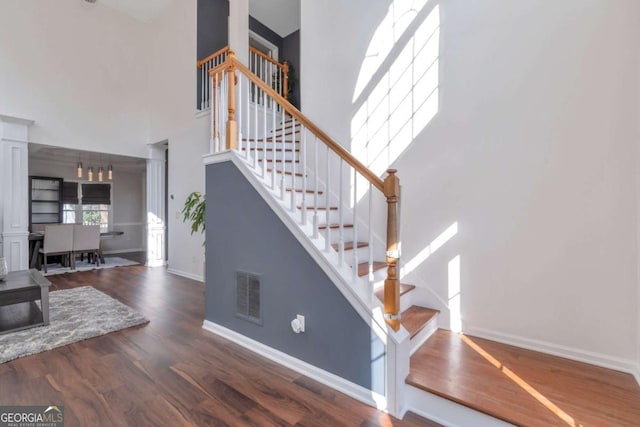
{"points": [[36, 240]]}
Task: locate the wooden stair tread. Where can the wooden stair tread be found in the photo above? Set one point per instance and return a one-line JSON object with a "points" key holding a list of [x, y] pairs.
{"points": [[348, 246], [285, 172], [404, 288], [277, 137], [299, 190], [280, 160], [287, 126], [320, 208], [488, 377], [363, 267], [277, 150], [334, 226], [415, 318]]}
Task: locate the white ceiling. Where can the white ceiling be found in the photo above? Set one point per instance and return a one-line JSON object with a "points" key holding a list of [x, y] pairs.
{"points": [[71, 157], [142, 10], [282, 16]]}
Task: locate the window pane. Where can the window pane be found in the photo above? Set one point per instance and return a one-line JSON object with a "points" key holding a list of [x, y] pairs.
{"points": [[69, 217]]}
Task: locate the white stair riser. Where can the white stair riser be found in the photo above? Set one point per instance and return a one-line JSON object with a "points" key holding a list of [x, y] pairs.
{"points": [[424, 334], [269, 155], [335, 233], [269, 145], [288, 167]]}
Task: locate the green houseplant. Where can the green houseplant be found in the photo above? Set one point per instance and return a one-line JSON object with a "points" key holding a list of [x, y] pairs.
{"points": [[193, 211]]}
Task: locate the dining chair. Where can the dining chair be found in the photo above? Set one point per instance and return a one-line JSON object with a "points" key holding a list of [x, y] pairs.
{"points": [[86, 238], [58, 240]]}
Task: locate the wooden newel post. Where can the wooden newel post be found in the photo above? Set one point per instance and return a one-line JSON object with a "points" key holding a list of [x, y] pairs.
{"points": [[285, 85], [392, 283], [232, 124]]}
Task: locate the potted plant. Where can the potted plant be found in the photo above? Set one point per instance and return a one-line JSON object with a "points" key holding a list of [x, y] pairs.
{"points": [[193, 211]]}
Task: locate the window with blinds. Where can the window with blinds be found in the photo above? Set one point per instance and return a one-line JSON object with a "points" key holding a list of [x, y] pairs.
{"points": [[90, 206]]}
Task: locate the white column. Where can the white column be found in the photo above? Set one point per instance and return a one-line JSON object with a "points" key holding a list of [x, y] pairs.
{"points": [[239, 29], [156, 221], [14, 197]]}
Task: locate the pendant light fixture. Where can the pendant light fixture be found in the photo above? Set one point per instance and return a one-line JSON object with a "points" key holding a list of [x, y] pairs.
{"points": [[110, 173], [79, 169], [90, 173], [100, 174]]}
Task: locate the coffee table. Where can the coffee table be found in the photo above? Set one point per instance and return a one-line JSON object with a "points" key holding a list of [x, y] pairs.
{"points": [[18, 295]]}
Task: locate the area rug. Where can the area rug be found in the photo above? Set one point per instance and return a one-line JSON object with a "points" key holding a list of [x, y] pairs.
{"points": [[74, 315], [109, 262]]}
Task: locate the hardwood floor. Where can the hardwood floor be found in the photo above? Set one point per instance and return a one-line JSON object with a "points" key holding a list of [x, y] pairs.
{"points": [[524, 387], [171, 372]]}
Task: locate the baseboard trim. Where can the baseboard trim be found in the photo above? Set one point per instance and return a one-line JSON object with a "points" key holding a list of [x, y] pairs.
{"points": [[191, 276], [327, 378], [123, 251], [592, 358]]}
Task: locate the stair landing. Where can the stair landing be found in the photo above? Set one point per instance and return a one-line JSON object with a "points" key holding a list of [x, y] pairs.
{"points": [[523, 387]]}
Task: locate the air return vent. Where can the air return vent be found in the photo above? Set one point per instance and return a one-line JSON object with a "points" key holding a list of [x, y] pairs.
{"points": [[248, 297]]}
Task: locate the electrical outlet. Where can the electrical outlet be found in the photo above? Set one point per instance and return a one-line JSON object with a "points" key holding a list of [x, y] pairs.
{"points": [[297, 324]]}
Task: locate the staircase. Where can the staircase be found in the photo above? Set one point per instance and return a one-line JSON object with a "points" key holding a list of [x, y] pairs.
{"points": [[347, 219], [348, 216]]}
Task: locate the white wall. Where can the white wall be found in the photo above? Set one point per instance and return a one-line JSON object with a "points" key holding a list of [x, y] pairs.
{"points": [[79, 70], [532, 152], [96, 79], [128, 202], [172, 95]]}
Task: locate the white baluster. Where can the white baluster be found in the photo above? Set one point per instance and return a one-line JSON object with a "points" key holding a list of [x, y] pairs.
{"points": [[283, 156], [341, 215], [315, 188], [303, 147], [327, 218], [370, 233], [255, 126], [212, 135], [239, 108], [273, 146], [271, 78], [223, 111], [294, 167], [247, 125], [262, 63], [215, 113], [355, 223], [264, 140]]}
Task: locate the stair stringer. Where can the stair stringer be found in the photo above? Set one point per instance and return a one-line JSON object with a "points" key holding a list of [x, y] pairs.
{"points": [[359, 293]]}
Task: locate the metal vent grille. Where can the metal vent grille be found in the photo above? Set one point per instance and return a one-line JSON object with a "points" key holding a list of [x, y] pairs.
{"points": [[248, 297]]}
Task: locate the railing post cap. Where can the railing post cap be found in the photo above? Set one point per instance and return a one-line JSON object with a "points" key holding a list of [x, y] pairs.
{"points": [[391, 171], [231, 53]]}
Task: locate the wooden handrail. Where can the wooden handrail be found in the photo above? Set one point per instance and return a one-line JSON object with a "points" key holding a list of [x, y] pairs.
{"points": [[266, 57], [304, 120], [213, 55]]}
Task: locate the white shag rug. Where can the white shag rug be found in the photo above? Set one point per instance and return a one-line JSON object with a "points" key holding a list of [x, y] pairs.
{"points": [[74, 315], [85, 266]]}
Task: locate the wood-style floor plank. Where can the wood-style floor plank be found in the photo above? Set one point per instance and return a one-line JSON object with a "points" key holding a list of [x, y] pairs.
{"points": [[524, 387], [170, 372]]}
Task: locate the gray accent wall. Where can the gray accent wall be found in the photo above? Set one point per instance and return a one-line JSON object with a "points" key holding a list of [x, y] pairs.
{"points": [[244, 234], [291, 53], [212, 32], [262, 30], [213, 26]]}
